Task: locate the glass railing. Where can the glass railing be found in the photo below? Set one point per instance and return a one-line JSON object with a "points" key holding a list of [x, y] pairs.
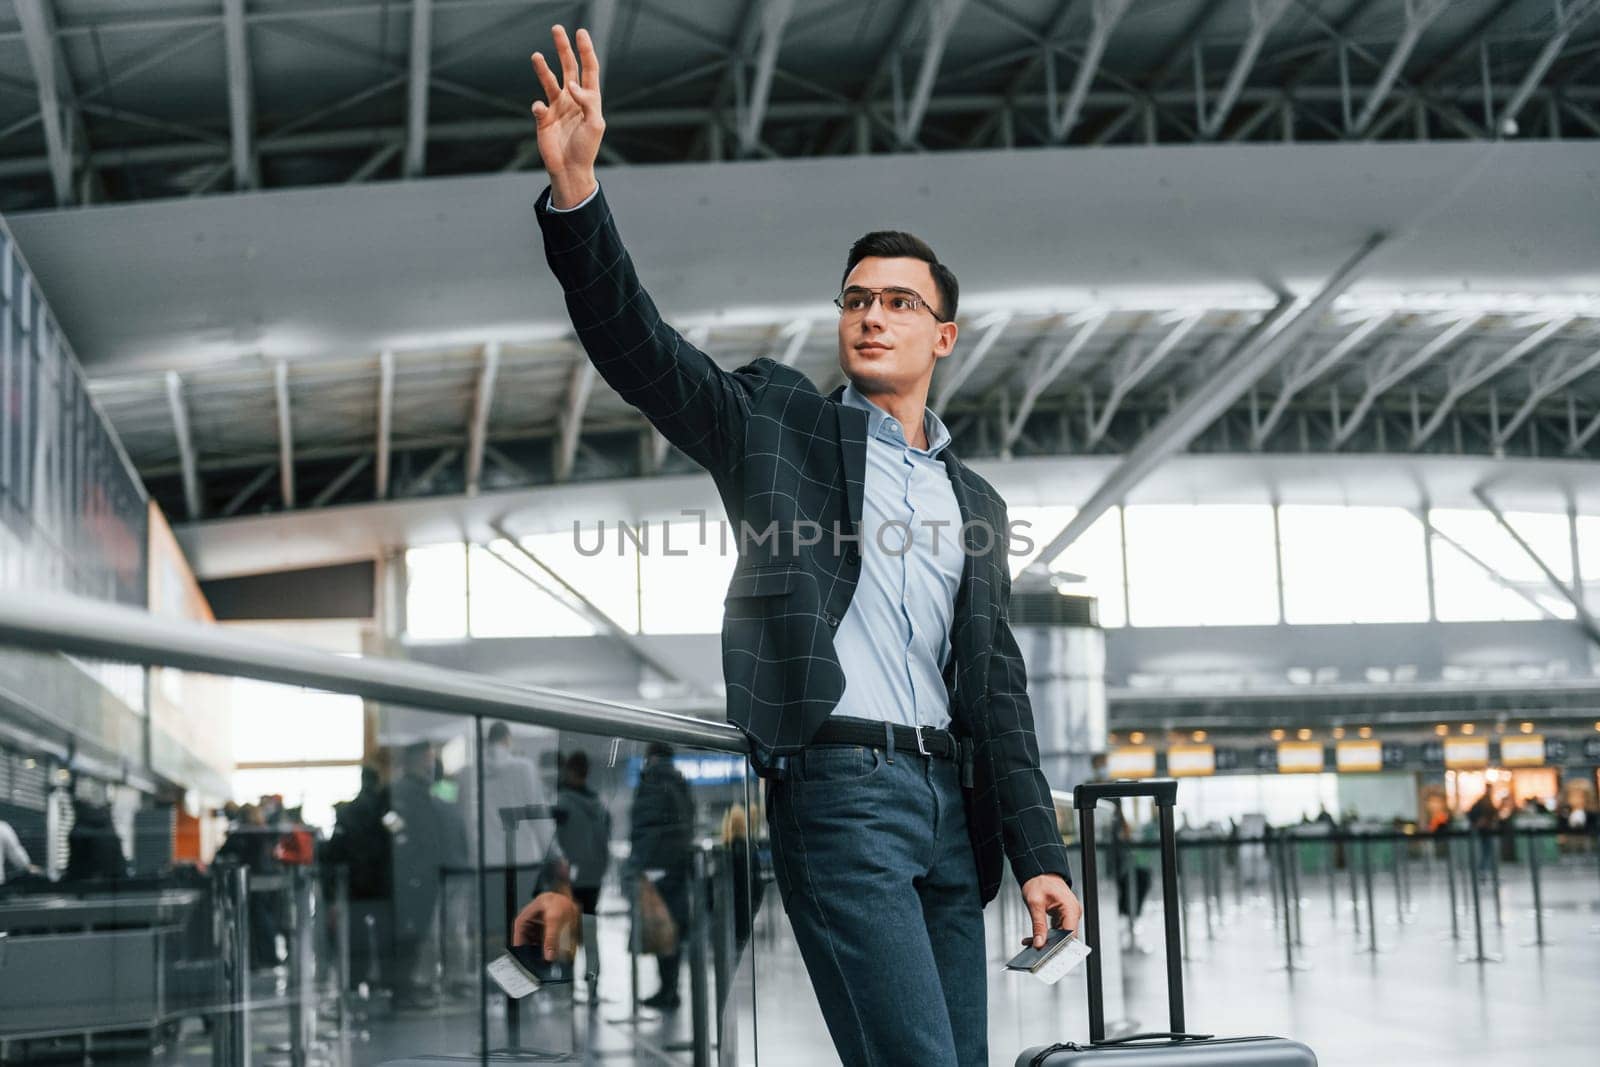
{"points": [[508, 873]]}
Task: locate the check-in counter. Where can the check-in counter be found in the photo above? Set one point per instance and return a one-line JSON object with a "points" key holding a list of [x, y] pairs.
{"points": [[82, 965]]}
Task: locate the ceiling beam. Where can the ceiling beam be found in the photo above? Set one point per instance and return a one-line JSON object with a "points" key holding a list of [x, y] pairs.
{"points": [[579, 387], [38, 38], [1263, 15], [1308, 369], [344, 478], [1392, 369], [193, 498], [482, 404], [774, 15], [1046, 370], [385, 420], [1585, 620], [1574, 14], [251, 488], [954, 377], [942, 16], [600, 20], [424, 478], [1136, 368], [797, 332], [241, 100], [513, 130], [1277, 334], [1105, 14], [416, 159], [1479, 370], [1562, 373], [280, 382], [1418, 15], [596, 615]]}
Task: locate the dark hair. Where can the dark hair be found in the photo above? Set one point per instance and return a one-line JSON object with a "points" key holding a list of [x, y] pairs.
{"points": [[499, 732], [578, 764], [894, 244], [658, 748]]}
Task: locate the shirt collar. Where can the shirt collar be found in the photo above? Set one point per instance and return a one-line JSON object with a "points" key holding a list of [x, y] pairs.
{"points": [[882, 426]]}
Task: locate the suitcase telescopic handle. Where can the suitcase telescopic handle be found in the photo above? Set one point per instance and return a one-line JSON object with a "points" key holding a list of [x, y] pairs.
{"points": [[1164, 791]]}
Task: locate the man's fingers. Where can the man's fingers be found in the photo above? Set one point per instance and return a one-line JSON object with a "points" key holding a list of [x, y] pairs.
{"points": [[552, 940], [547, 77], [1041, 925], [591, 62], [569, 59]]}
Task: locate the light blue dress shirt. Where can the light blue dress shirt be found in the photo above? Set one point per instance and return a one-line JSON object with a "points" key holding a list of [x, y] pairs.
{"points": [[895, 637]]}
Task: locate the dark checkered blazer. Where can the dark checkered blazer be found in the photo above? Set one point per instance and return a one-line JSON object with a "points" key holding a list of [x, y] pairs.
{"points": [[784, 456]]}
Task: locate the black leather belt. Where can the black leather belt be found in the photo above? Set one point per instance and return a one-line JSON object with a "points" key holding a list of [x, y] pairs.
{"points": [[922, 740]]}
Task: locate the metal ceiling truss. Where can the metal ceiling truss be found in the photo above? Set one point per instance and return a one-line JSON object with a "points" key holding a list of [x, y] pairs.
{"points": [[1306, 376], [1381, 71]]}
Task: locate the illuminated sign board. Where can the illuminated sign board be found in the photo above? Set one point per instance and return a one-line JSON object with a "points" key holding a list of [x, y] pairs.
{"points": [[1131, 761], [1186, 761], [1300, 757], [1524, 750], [1464, 752], [1359, 756]]}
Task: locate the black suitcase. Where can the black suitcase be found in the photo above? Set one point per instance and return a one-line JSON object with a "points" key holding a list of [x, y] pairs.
{"points": [[1174, 1048]]}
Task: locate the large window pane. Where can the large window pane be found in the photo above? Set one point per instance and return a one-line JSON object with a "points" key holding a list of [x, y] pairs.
{"points": [[315, 790], [1589, 556], [1482, 574], [1201, 565], [597, 561], [282, 723], [1095, 557], [513, 597], [436, 592], [1345, 565], [681, 581]]}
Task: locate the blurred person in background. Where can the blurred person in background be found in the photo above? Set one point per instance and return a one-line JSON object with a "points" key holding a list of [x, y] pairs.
{"points": [[1484, 819], [12, 853], [661, 839], [361, 845], [583, 829], [427, 838], [249, 844]]}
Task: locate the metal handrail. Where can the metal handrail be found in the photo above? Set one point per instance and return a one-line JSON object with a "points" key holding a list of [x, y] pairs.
{"points": [[50, 622]]}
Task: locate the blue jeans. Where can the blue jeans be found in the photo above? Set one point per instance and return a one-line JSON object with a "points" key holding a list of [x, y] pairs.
{"points": [[878, 878]]}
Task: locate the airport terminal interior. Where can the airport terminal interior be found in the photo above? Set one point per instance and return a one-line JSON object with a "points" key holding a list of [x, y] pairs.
{"points": [[347, 612]]}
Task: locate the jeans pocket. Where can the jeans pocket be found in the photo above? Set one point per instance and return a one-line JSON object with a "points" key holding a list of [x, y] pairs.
{"points": [[838, 763]]}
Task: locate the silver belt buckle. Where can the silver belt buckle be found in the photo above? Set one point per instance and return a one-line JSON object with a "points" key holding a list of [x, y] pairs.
{"points": [[922, 746]]}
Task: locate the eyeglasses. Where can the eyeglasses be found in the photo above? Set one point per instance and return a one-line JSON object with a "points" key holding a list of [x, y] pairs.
{"points": [[896, 301]]}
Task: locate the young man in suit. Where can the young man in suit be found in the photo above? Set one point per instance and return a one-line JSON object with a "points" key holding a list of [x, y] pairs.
{"points": [[868, 554]]}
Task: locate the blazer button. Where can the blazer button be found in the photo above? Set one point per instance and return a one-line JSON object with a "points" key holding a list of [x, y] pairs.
{"points": [[831, 619], [851, 556]]}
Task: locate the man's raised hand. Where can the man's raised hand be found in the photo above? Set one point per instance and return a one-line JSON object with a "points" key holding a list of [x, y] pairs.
{"points": [[570, 124]]}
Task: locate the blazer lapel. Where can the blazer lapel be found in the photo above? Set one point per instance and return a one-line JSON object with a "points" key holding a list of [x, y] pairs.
{"points": [[973, 518], [852, 455]]}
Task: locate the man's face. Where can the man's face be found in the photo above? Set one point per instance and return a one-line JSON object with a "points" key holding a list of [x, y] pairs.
{"points": [[886, 351]]}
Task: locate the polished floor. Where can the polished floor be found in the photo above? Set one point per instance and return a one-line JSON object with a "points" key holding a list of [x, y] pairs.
{"points": [[1415, 1001]]}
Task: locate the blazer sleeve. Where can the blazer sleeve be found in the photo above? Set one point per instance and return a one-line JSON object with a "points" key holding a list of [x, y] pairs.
{"points": [[697, 406], [1027, 812]]}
